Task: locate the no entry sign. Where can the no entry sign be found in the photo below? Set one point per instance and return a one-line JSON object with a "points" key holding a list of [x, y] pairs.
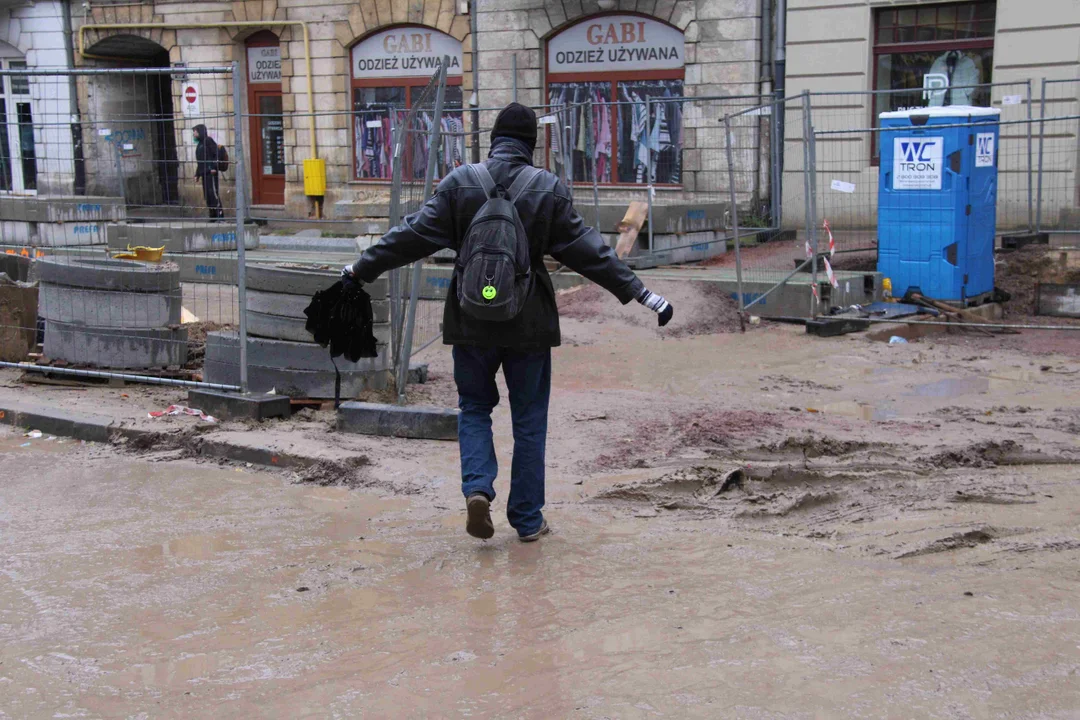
{"points": [[190, 100]]}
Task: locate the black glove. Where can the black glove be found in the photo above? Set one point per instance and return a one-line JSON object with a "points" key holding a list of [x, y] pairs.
{"points": [[349, 278], [658, 305]]}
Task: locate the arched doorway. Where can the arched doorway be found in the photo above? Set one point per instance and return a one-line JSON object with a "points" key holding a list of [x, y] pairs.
{"points": [[267, 128], [141, 145]]}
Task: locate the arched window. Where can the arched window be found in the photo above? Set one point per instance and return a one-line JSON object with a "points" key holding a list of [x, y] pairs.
{"points": [[18, 156], [389, 72], [619, 62]]}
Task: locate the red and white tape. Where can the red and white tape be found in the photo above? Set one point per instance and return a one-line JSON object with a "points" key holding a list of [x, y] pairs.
{"points": [[829, 272], [832, 243], [182, 410]]}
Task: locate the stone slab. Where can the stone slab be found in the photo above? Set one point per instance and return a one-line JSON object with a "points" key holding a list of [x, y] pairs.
{"points": [[292, 306], [298, 281], [18, 322], [181, 237], [224, 346], [107, 308], [425, 423], [107, 274], [234, 406], [51, 235], [54, 209], [296, 383], [116, 347]]}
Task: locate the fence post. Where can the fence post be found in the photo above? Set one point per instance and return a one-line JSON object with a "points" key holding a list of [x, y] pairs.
{"points": [[1042, 142], [735, 221], [810, 193], [241, 204], [591, 143], [775, 164], [1030, 158], [429, 181], [398, 135], [649, 167]]}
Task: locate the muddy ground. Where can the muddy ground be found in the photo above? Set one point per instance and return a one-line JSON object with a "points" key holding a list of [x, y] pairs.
{"points": [[758, 525]]}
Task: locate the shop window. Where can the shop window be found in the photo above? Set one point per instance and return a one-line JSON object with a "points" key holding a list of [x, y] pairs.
{"points": [[630, 67], [390, 70], [934, 55]]}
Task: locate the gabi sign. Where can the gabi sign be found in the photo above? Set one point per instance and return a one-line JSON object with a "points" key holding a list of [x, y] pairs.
{"points": [[613, 43], [264, 64], [405, 52]]}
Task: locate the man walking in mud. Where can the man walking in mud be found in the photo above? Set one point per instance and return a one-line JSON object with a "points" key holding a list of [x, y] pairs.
{"points": [[521, 345]]}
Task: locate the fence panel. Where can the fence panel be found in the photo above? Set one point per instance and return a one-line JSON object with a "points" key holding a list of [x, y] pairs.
{"points": [[1059, 157], [131, 222]]}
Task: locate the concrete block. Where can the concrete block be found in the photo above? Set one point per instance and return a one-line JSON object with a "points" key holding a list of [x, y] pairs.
{"points": [[286, 355], [424, 423], [835, 326], [115, 347], [234, 406], [296, 383], [292, 306], [58, 209], [302, 282], [68, 234], [109, 308], [181, 237], [105, 274], [18, 322]]}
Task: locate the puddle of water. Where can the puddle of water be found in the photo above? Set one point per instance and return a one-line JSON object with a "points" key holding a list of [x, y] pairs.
{"points": [[850, 408], [953, 387], [190, 547]]}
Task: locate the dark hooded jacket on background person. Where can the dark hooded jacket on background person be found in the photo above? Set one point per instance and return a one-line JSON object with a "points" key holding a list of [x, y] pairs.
{"points": [[552, 225], [206, 153]]}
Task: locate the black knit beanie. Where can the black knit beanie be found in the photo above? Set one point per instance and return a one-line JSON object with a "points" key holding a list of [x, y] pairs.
{"points": [[518, 122]]}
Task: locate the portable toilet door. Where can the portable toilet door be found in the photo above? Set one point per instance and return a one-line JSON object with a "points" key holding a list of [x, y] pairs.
{"points": [[982, 198]]}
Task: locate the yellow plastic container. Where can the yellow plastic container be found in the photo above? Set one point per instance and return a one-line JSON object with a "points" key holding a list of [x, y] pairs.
{"points": [[315, 177], [141, 252]]}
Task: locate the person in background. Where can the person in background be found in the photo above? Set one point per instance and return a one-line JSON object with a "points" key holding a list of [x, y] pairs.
{"points": [[520, 346], [207, 161]]}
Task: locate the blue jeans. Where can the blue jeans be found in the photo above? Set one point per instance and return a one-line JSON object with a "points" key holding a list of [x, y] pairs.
{"points": [[528, 378]]}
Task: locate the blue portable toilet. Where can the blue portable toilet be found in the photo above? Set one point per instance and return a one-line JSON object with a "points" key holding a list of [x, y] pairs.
{"points": [[937, 202]]}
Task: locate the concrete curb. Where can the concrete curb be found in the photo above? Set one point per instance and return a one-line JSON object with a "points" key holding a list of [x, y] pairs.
{"points": [[103, 429], [293, 306], [224, 347], [106, 274], [423, 423], [298, 281], [127, 348], [109, 308]]}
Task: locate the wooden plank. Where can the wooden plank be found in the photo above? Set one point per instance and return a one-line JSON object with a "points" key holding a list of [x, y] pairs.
{"points": [[630, 226], [1057, 300]]}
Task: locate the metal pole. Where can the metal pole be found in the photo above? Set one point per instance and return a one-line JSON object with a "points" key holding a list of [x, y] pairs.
{"points": [[513, 74], [239, 180], [810, 192], [1042, 142], [776, 163], [397, 133], [649, 167], [112, 375], [475, 99], [734, 220], [1030, 170], [429, 181], [590, 143]]}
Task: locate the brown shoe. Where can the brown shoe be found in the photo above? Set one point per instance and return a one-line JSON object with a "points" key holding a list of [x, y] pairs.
{"points": [[479, 524], [544, 530]]}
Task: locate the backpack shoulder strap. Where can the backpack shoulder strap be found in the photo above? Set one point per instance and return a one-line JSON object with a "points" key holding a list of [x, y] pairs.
{"points": [[524, 179], [483, 177]]}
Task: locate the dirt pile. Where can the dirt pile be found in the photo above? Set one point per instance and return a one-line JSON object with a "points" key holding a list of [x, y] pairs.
{"points": [[701, 308], [1020, 271], [334, 472]]}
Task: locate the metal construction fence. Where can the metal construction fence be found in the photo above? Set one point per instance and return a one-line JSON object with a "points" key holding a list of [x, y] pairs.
{"points": [[823, 232], [159, 259], [100, 171]]}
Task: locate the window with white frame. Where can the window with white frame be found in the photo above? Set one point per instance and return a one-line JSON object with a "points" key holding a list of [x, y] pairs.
{"points": [[18, 161]]}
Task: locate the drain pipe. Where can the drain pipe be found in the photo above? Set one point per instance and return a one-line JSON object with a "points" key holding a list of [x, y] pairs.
{"points": [[314, 168], [779, 72], [73, 106]]}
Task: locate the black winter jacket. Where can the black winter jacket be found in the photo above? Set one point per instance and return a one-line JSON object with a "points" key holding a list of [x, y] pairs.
{"points": [[206, 154], [553, 226]]}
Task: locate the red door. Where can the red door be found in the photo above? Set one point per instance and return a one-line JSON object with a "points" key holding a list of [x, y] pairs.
{"points": [[268, 148]]}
